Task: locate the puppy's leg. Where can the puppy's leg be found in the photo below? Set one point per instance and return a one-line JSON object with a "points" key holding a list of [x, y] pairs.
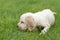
{"points": [[46, 28]]}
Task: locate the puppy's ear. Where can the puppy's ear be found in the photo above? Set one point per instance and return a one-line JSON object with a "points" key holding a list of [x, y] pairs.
{"points": [[30, 23]]}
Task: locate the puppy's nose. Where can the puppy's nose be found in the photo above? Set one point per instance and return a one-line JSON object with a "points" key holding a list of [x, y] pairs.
{"points": [[17, 26]]}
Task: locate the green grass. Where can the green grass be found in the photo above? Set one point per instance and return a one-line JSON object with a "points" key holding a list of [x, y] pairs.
{"points": [[10, 11]]}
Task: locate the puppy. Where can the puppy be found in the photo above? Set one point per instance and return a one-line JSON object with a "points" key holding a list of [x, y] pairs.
{"points": [[30, 21]]}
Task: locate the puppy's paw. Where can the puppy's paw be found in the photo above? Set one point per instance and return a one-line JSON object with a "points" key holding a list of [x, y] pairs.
{"points": [[43, 32]]}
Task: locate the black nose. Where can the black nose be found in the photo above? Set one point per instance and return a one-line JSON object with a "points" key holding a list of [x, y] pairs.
{"points": [[17, 26]]}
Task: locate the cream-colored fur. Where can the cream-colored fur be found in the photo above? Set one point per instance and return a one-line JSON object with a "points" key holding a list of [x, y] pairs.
{"points": [[43, 18]]}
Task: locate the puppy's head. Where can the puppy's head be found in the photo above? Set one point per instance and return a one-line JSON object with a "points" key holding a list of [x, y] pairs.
{"points": [[26, 22], [22, 25]]}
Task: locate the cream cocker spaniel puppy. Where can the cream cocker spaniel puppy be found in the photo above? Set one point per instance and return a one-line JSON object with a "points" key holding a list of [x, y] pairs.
{"points": [[30, 21]]}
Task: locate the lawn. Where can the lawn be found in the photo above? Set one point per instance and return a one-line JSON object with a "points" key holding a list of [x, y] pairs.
{"points": [[10, 11]]}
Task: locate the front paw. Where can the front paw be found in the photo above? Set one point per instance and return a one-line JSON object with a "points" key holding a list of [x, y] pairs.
{"points": [[43, 32]]}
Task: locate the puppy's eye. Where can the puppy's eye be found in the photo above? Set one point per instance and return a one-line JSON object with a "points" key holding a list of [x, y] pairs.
{"points": [[22, 22]]}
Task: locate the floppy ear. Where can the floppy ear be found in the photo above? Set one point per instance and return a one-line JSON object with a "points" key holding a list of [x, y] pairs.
{"points": [[30, 23]]}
